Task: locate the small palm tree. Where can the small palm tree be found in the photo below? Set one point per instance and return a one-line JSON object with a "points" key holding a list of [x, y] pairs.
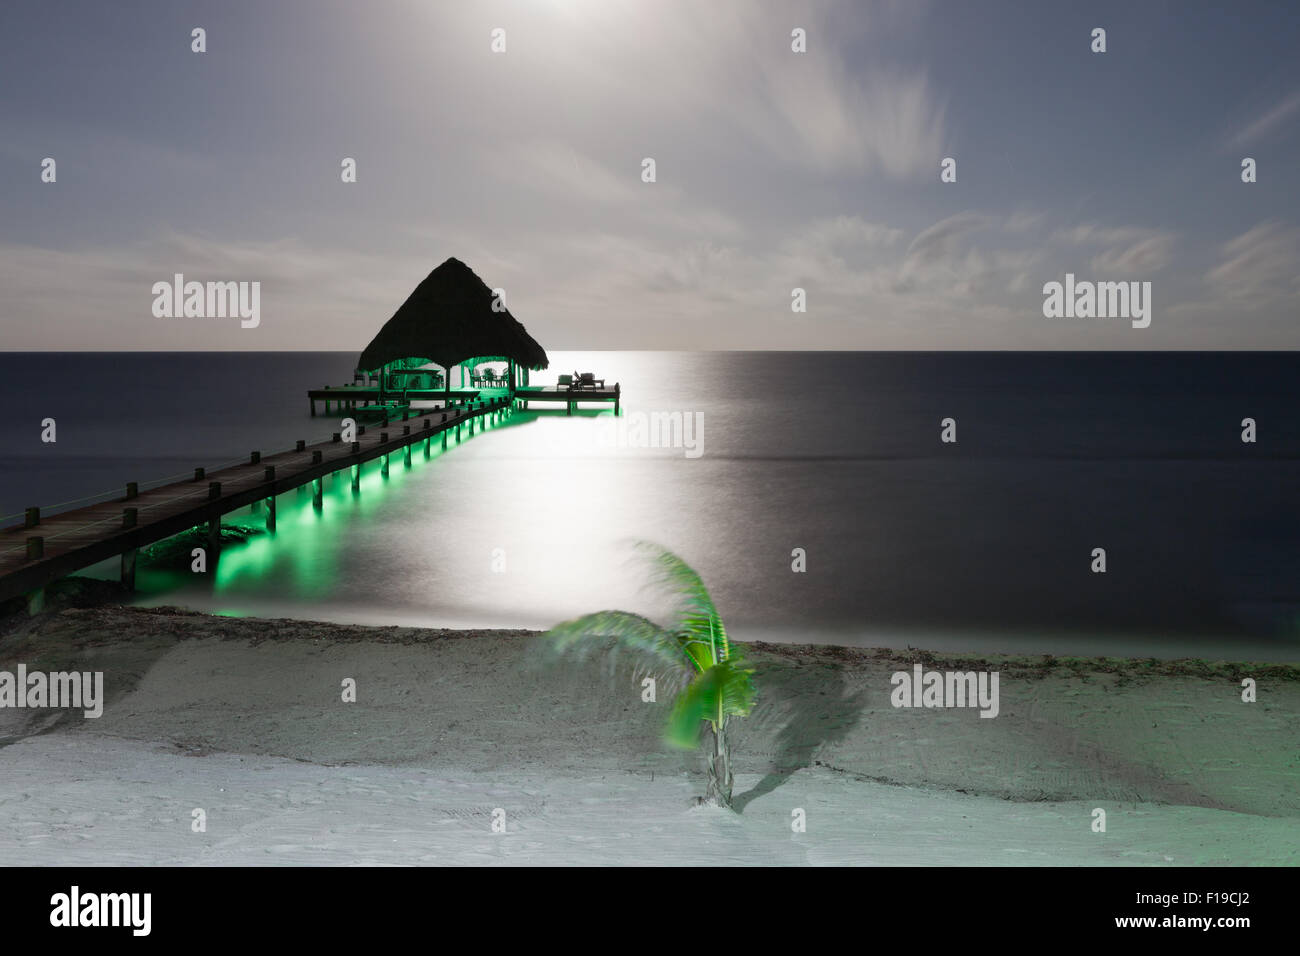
{"points": [[716, 683]]}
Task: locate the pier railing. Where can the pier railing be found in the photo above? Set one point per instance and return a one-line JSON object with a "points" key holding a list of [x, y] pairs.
{"points": [[47, 546]]}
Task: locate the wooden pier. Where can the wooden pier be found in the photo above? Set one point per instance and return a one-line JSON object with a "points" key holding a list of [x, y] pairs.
{"points": [[571, 396], [44, 549], [352, 397]]}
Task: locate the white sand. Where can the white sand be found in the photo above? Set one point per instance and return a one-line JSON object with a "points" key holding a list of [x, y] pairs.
{"points": [[243, 719]]}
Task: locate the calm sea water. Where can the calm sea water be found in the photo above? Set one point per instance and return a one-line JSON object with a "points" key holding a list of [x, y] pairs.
{"points": [[984, 544]]}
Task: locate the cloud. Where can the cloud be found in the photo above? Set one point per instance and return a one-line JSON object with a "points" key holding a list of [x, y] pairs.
{"points": [[564, 179], [939, 239], [829, 120], [1267, 123], [698, 72], [1251, 297], [1130, 250], [1263, 262], [1023, 220], [939, 257], [98, 298], [1142, 257], [841, 242], [561, 169]]}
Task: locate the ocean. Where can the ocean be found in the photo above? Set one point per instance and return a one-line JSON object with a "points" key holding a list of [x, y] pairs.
{"points": [[813, 491]]}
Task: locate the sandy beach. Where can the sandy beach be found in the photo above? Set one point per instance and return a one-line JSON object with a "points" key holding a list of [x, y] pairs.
{"points": [[245, 720]]}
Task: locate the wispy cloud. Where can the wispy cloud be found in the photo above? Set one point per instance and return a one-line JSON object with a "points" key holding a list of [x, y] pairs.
{"points": [[1259, 263], [1128, 250], [569, 180], [1267, 123], [829, 120], [99, 297]]}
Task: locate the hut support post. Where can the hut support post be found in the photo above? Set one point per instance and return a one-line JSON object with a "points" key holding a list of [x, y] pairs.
{"points": [[35, 602], [318, 494], [383, 467], [406, 456], [270, 513], [356, 478]]}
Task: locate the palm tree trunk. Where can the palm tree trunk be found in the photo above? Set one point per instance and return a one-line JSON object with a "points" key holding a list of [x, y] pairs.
{"points": [[719, 768]]}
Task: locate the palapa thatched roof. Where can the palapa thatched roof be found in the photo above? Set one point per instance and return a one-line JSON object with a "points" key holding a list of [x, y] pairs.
{"points": [[448, 319]]}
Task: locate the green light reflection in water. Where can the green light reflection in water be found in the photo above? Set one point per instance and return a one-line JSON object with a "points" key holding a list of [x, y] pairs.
{"points": [[306, 533], [421, 556]]}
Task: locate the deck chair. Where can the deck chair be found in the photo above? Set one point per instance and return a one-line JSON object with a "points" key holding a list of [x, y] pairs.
{"points": [[565, 381]]}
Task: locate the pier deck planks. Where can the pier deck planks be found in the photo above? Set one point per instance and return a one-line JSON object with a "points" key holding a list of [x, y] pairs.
{"points": [[77, 539]]}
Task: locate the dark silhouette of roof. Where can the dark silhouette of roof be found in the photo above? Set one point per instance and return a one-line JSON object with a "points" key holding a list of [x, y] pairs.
{"points": [[449, 319]]}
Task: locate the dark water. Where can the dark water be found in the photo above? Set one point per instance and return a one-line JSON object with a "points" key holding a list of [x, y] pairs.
{"points": [[983, 544]]}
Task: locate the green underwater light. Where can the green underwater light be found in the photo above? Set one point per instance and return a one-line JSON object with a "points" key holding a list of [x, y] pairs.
{"points": [[305, 529]]}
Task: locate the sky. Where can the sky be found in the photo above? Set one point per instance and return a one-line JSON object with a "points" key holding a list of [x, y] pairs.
{"points": [[775, 170]]}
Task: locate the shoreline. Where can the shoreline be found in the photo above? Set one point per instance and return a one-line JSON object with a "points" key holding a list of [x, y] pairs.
{"points": [[1187, 772]]}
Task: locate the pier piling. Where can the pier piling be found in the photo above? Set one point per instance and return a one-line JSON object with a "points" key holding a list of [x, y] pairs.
{"points": [[128, 569], [214, 540]]}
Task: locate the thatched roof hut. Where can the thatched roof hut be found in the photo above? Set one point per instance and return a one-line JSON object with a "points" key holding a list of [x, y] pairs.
{"points": [[449, 320]]}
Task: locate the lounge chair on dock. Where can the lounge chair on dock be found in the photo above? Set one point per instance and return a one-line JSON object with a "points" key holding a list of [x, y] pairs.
{"points": [[589, 380], [564, 382]]}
